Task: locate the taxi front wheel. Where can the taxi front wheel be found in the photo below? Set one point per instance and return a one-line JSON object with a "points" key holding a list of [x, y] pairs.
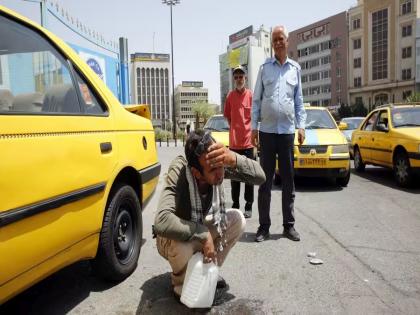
{"points": [[121, 235], [402, 170], [343, 181], [358, 162]]}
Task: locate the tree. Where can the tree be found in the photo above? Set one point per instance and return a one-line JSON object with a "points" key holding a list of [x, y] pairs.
{"points": [[413, 98], [344, 111], [203, 111], [359, 110]]}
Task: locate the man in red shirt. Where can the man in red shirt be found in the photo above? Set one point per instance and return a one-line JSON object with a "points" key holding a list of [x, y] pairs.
{"points": [[238, 114]]}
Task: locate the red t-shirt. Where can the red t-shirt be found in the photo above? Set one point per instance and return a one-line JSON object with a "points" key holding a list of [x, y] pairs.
{"points": [[238, 113]]}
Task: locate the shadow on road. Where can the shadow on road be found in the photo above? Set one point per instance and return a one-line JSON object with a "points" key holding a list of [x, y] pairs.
{"points": [[157, 298], [59, 293], [385, 177], [248, 237]]}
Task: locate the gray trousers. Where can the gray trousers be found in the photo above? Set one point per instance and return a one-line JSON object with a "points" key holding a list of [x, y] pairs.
{"points": [[274, 145]]}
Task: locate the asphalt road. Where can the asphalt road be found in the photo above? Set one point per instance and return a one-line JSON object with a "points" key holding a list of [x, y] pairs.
{"points": [[367, 234]]}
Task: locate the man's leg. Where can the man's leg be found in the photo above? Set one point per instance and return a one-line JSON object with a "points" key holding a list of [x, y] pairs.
{"points": [[235, 227], [286, 167], [268, 162], [249, 189], [235, 188], [178, 254]]}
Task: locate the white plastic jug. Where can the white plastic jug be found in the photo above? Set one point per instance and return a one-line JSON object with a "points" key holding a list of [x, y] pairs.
{"points": [[199, 283]]}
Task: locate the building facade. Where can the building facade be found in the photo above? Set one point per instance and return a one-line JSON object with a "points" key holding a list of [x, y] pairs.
{"points": [[382, 51], [321, 50], [246, 48], [150, 84], [186, 95]]}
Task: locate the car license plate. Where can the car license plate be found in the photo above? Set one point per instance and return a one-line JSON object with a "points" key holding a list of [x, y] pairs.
{"points": [[312, 162]]}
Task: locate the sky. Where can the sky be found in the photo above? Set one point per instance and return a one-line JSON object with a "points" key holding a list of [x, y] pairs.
{"points": [[201, 28]]}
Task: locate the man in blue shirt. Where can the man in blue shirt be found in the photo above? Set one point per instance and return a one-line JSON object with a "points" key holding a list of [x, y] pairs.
{"points": [[278, 106]]}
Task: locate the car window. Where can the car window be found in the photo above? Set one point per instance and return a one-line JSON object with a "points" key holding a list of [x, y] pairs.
{"points": [[90, 103], [36, 78], [368, 126], [319, 119], [406, 117], [352, 123], [383, 119]]}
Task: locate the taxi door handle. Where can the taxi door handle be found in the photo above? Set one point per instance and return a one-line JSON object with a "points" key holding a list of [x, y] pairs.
{"points": [[106, 147]]}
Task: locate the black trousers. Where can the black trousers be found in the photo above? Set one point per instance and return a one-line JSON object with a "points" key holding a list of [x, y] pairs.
{"points": [[236, 186], [274, 145]]}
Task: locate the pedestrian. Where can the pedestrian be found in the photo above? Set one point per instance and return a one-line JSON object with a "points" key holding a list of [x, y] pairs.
{"points": [[238, 113], [181, 223], [278, 106], [188, 127]]}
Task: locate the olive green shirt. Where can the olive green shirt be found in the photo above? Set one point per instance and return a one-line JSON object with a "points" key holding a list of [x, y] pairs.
{"points": [[173, 217]]}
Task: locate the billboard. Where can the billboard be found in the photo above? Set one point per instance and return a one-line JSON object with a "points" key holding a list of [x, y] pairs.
{"points": [[241, 34]]}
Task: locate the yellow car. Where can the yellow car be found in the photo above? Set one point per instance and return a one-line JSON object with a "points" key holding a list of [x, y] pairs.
{"points": [[390, 137], [219, 128], [77, 169], [325, 152]]}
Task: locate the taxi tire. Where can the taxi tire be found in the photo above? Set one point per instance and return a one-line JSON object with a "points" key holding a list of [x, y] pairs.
{"points": [[107, 264], [358, 161], [343, 181], [401, 162]]}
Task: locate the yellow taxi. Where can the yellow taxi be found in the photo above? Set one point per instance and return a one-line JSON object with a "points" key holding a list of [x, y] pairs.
{"points": [[77, 168], [325, 152], [390, 137], [219, 127]]}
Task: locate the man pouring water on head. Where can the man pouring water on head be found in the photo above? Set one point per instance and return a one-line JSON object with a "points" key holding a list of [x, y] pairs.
{"points": [[185, 222]]}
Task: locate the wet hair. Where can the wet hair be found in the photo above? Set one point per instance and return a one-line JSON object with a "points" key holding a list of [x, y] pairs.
{"points": [[197, 143]]}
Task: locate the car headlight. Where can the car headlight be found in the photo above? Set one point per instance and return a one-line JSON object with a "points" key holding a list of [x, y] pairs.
{"points": [[342, 148]]}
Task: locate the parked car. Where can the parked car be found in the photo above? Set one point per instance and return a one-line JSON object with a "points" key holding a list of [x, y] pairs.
{"points": [[77, 168], [352, 124], [390, 137], [219, 128], [325, 151]]}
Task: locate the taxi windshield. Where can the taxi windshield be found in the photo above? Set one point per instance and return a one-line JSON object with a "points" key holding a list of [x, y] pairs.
{"points": [[406, 117], [217, 124], [319, 119]]}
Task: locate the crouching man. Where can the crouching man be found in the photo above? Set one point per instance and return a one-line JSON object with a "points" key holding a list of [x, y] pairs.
{"points": [[180, 223]]}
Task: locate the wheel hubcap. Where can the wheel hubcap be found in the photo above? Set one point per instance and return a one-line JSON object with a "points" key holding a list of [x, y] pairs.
{"points": [[123, 234]]}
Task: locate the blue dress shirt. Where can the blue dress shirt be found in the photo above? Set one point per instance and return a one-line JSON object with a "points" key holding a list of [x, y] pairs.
{"points": [[278, 101]]}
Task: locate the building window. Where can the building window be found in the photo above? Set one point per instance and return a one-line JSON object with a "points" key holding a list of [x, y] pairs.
{"points": [[357, 43], [338, 72], [407, 30], [357, 82], [357, 62], [358, 100], [406, 94], [406, 7], [337, 56], [356, 23], [338, 87], [380, 44], [406, 52], [406, 74]]}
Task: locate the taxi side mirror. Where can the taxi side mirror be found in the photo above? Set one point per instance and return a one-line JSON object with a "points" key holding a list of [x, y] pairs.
{"points": [[343, 126]]}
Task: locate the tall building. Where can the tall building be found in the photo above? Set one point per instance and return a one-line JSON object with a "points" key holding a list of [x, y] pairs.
{"points": [[186, 95], [382, 51], [321, 50], [150, 84], [246, 48]]}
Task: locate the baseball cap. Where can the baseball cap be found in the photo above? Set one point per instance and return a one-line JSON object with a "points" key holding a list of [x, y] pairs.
{"points": [[239, 68]]}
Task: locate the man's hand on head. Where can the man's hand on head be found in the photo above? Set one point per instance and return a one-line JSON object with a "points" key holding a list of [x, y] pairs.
{"points": [[219, 156]]}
